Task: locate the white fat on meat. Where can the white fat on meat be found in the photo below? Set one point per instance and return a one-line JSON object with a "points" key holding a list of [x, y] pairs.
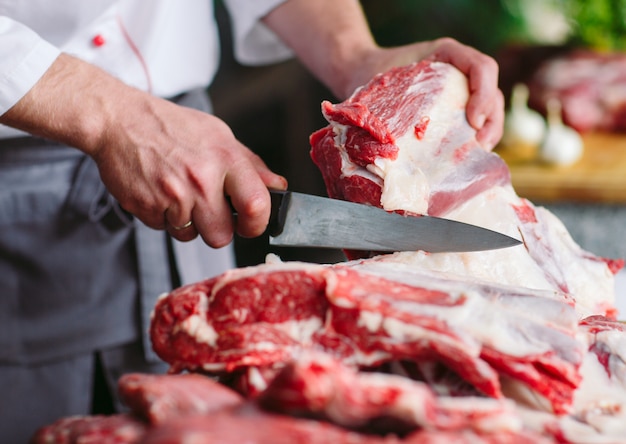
{"points": [[501, 320], [589, 281], [406, 179], [600, 400], [598, 414]]}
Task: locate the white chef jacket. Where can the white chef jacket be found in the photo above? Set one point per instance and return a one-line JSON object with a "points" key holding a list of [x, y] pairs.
{"points": [[162, 46]]}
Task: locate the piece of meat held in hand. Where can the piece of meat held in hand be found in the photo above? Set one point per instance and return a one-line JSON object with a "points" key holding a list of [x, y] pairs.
{"points": [[160, 398], [402, 143]]}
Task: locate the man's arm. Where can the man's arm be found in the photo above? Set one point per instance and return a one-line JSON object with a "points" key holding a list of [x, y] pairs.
{"points": [[332, 38], [154, 156]]}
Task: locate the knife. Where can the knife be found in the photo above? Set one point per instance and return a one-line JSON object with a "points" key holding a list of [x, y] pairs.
{"points": [[303, 220]]}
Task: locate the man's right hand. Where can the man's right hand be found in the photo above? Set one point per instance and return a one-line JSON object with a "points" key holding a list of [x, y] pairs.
{"points": [[164, 163]]}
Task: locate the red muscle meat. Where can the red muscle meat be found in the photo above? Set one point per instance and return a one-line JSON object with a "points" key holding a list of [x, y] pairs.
{"points": [[374, 124], [444, 172], [317, 385], [250, 425], [367, 320], [160, 398], [590, 85], [115, 429]]}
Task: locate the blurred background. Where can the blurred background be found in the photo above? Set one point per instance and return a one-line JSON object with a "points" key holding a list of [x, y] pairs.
{"points": [[274, 109]]}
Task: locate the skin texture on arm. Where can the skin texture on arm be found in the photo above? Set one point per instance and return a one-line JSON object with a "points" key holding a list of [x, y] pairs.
{"points": [[165, 164], [332, 38]]}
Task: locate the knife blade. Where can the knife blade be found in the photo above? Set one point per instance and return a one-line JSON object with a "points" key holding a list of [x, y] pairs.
{"points": [[303, 220]]}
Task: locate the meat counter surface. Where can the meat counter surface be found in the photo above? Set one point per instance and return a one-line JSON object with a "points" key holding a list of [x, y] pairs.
{"points": [[515, 345]]}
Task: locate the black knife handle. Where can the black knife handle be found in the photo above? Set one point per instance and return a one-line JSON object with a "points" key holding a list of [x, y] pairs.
{"points": [[280, 204]]}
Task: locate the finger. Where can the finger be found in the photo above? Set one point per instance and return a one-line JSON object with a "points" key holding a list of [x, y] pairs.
{"points": [[491, 132], [183, 231], [151, 215], [484, 101], [269, 178], [482, 74], [176, 216], [212, 217], [250, 198], [153, 219]]}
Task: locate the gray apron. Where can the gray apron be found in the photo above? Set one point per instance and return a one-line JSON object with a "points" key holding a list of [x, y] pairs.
{"points": [[77, 275]]}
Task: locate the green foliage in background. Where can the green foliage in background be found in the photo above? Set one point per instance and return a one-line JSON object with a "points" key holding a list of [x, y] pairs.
{"points": [[490, 25], [600, 24]]}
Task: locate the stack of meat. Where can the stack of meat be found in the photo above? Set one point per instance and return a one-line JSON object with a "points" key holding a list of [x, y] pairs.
{"points": [[512, 345], [591, 87]]}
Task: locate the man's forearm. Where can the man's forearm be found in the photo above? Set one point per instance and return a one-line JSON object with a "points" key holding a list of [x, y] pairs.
{"points": [[330, 37], [71, 103]]}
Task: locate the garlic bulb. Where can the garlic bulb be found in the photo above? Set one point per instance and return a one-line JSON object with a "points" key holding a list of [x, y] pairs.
{"points": [[562, 145], [522, 125]]}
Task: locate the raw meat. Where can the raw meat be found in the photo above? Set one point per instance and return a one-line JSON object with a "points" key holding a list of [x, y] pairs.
{"points": [[591, 87], [598, 414], [251, 426], [403, 143], [367, 314], [160, 398], [442, 171], [318, 385], [115, 429]]}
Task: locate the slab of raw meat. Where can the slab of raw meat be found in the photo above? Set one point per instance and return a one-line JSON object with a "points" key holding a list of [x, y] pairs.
{"points": [[252, 426], [241, 318], [416, 153], [367, 314], [318, 385], [370, 152], [114, 429], [598, 414], [503, 320], [160, 398], [590, 85]]}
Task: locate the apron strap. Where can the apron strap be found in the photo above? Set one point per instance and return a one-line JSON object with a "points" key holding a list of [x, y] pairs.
{"points": [[154, 277]]}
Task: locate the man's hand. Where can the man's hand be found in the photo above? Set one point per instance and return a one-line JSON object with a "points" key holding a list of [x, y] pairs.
{"points": [[166, 164], [334, 41], [485, 107], [173, 165]]}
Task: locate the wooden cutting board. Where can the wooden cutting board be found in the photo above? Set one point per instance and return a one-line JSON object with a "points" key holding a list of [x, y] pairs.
{"points": [[598, 177]]}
